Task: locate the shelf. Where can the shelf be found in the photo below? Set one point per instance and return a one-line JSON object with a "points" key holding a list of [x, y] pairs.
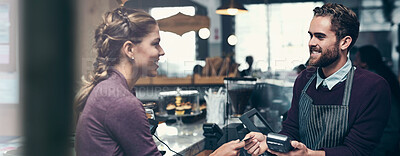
{"points": [[208, 80], [167, 81], [171, 81]]}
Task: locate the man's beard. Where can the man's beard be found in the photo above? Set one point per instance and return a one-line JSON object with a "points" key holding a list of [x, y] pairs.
{"points": [[326, 58]]}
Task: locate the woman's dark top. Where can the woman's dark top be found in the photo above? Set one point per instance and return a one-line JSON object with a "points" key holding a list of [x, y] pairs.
{"points": [[113, 122]]}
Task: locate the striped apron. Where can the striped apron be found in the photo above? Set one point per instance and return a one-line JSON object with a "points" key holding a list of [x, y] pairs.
{"points": [[324, 125]]}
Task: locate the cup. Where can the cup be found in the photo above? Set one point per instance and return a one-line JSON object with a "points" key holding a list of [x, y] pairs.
{"points": [[215, 106]]}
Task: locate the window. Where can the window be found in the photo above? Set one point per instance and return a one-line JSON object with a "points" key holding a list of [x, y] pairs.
{"points": [[9, 86], [278, 38], [7, 36], [180, 51]]}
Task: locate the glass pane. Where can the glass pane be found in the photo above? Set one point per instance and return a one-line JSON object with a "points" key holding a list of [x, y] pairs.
{"points": [[287, 40], [4, 54], [4, 24], [4, 34], [180, 51]]}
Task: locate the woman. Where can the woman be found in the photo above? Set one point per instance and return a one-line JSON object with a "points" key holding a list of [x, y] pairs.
{"points": [[112, 120]]}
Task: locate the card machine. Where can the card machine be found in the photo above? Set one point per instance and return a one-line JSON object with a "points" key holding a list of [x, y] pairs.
{"points": [[279, 143], [256, 123]]}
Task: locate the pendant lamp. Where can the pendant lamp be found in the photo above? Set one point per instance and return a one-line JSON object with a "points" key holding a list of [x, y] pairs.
{"points": [[231, 7]]}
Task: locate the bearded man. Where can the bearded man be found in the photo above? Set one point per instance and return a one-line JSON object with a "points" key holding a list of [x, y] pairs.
{"points": [[337, 109]]}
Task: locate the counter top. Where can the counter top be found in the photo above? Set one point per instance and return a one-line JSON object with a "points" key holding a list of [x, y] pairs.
{"points": [[186, 139]]}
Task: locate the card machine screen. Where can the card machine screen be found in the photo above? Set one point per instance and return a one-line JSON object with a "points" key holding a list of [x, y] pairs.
{"points": [[255, 122]]}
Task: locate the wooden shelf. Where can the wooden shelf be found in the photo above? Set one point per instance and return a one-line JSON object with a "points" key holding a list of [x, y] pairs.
{"points": [[197, 80], [171, 81], [208, 80]]}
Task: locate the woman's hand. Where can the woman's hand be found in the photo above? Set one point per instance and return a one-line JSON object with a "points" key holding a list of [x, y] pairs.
{"points": [[257, 144], [299, 149], [231, 148]]}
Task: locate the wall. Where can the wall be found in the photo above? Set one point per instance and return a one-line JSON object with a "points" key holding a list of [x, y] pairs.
{"points": [[10, 120], [89, 16], [215, 26]]}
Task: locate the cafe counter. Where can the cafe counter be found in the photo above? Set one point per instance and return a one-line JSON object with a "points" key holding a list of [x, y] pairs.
{"points": [[187, 139]]}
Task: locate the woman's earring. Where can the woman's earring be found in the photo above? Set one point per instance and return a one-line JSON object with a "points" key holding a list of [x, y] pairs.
{"points": [[133, 58]]}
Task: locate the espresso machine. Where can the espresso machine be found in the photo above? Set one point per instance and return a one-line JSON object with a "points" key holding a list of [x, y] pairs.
{"points": [[239, 92]]}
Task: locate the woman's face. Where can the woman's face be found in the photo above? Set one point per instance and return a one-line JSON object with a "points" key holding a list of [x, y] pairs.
{"points": [[148, 52]]}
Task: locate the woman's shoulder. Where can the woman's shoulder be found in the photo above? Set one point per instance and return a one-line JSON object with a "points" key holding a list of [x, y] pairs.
{"points": [[125, 106], [110, 88], [108, 93]]}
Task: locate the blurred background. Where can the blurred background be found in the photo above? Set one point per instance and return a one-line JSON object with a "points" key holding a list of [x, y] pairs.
{"points": [[45, 48]]}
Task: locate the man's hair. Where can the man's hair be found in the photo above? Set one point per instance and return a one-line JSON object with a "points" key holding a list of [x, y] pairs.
{"points": [[344, 21]]}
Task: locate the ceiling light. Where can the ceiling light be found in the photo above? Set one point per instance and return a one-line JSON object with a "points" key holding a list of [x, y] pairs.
{"points": [[231, 7], [232, 40], [204, 33]]}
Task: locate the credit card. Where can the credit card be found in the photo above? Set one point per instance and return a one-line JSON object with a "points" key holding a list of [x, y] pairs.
{"points": [[245, 139]]}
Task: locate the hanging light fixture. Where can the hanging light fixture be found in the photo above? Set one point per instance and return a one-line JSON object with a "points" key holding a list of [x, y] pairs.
{"points": [[231, 7]]}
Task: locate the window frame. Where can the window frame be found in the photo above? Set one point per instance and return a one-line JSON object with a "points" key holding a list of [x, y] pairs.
{"points": [[13, 43]]}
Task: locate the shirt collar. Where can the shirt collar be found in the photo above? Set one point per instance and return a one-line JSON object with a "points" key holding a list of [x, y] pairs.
{"points": [[335, 78]]}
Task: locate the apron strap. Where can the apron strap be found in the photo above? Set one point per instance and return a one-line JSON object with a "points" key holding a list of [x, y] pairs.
{"points": [[309, 82], [347, 90]]}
